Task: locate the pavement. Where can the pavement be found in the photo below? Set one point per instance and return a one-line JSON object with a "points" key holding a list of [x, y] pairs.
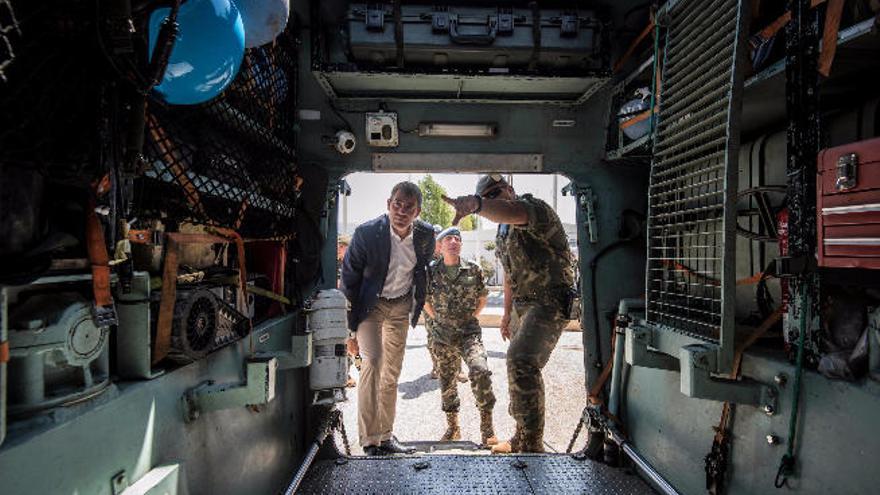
{"points": [[421, 422]]}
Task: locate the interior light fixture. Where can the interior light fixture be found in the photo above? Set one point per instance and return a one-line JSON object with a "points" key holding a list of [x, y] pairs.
{"points": [[442, 129]]}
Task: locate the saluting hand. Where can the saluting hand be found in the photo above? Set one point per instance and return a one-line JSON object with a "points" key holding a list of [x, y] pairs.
{"points": [[464, 206]]}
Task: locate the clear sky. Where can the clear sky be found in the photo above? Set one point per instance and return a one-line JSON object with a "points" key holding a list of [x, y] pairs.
{"points": [[369, 192]]}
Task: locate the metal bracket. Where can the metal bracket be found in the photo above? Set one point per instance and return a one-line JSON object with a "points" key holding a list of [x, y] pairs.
{"points": [[275, 339], [259, 388], [697, 381], [638, 353], [587, 202]]}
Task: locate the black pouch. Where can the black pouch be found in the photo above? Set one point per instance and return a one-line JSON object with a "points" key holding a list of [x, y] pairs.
{"points": [[571, 307]]}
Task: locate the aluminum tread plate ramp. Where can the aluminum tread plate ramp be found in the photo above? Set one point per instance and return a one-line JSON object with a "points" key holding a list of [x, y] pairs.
{"points": [[691, 227], [469, 474]]}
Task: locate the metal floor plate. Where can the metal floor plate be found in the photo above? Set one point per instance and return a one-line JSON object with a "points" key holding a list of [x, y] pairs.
{"points": [[469, 474]]}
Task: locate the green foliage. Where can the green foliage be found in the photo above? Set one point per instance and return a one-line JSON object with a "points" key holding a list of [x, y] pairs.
{"points": [[468, 223], [488, 268], [434, 210], [489, 246]]}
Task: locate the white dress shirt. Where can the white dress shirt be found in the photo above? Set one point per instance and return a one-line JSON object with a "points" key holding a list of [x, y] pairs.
{"points": [[400, 266]]}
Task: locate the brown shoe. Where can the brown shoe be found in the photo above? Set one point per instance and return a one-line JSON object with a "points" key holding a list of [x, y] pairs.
{"points": [[453, 431], [502, 448]]}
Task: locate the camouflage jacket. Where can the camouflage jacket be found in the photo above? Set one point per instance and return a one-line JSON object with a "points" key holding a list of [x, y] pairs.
{"points": [[454, 299], [535, 256]]}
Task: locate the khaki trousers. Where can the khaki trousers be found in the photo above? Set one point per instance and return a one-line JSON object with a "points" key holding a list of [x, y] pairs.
{"points": [[382, 342]]}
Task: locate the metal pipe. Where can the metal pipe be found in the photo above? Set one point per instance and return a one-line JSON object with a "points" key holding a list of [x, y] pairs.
{"points": [[656, 478], [330, 420], [623, 309], [303, 468]]}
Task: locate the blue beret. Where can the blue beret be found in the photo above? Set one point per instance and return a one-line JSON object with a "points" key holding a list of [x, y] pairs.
{"points": [[450, 231]]}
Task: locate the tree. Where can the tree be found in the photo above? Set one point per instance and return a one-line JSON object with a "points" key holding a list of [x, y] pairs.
{"points": [[489, 246], [467, 223], [434, 210]]}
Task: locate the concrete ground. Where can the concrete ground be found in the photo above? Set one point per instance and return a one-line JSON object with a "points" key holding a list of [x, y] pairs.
{"points": [[419, 418]]}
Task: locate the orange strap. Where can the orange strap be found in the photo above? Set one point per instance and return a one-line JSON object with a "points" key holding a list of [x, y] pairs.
{"points": [[635, 44], [173, 241], [4, 352], [174, 160], [722, 429], [594, 397], [829, 36], [635, 120], [98, 258], [754, 279]]}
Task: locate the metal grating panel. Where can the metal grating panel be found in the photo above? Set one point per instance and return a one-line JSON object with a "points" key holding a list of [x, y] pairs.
{"points": [[470, 474], [693, 173]]}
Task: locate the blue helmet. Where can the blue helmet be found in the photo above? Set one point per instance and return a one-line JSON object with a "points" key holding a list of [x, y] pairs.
{"points": [[207, 53]]}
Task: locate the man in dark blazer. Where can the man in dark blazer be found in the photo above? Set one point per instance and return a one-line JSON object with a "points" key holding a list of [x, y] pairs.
{"points": [[384, 278]]}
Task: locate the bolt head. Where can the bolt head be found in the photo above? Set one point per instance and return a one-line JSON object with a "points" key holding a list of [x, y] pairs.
{"points": [[772, 439], [781, 379], [769, 409]]}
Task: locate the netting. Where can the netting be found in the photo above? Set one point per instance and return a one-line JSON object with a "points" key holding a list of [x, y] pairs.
{"points": [[229, 162]]}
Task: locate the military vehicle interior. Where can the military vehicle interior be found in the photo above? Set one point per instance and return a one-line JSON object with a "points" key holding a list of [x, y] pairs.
{"points": [[171, 173]]}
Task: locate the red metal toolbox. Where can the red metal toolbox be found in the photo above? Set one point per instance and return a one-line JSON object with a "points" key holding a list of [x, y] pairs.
{"points": [[848, 205]]}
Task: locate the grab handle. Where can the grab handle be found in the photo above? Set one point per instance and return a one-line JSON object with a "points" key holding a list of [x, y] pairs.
{"points": [[474, 39]]}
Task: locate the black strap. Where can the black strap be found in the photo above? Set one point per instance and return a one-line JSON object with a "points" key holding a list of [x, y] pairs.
{"points": [[398, 33], [536, 35]]}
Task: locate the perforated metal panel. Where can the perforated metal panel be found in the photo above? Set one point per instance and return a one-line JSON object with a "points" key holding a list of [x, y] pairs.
{"points": [[693, 173], [470, 474]]}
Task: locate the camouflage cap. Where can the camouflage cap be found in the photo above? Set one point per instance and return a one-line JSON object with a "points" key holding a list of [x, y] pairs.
{"points": [[449, 231], [488, 181]]}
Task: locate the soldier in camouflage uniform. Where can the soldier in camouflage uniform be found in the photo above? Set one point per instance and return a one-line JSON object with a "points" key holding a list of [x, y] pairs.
{"points": [[533, 249], [456, 295]]}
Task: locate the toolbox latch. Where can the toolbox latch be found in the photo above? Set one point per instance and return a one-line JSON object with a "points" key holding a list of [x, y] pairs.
{"points": [[505, 21], [375, 17], [847, 172], [569, 24], [440, 20]]}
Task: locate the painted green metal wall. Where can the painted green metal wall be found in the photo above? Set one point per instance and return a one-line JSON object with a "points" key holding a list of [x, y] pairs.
{"points": [[139, 425]]}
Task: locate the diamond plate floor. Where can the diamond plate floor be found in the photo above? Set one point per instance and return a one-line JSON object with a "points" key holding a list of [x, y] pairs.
{"points": [[468, 474]]}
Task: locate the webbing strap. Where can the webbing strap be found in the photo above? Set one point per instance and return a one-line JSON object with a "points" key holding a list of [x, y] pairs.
{"points": [[165, 319]]}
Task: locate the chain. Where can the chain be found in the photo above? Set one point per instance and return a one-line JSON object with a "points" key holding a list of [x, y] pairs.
{"points": [[340, 425], [5, 30], [577, 431]]}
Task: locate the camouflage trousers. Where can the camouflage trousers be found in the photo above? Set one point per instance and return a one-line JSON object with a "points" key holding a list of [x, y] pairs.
{"points": [[534, 335], [470, 349]]}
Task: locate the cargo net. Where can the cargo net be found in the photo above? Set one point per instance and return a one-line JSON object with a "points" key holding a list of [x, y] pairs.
{"points": [[228, 162]]}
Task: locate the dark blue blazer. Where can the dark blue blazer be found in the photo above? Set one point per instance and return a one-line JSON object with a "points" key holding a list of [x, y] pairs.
{"points": [[366, 265]]}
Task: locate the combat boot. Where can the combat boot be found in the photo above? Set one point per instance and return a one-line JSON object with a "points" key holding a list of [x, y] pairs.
{"points": [[453, 431], [532, 442], [487, 430]]}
